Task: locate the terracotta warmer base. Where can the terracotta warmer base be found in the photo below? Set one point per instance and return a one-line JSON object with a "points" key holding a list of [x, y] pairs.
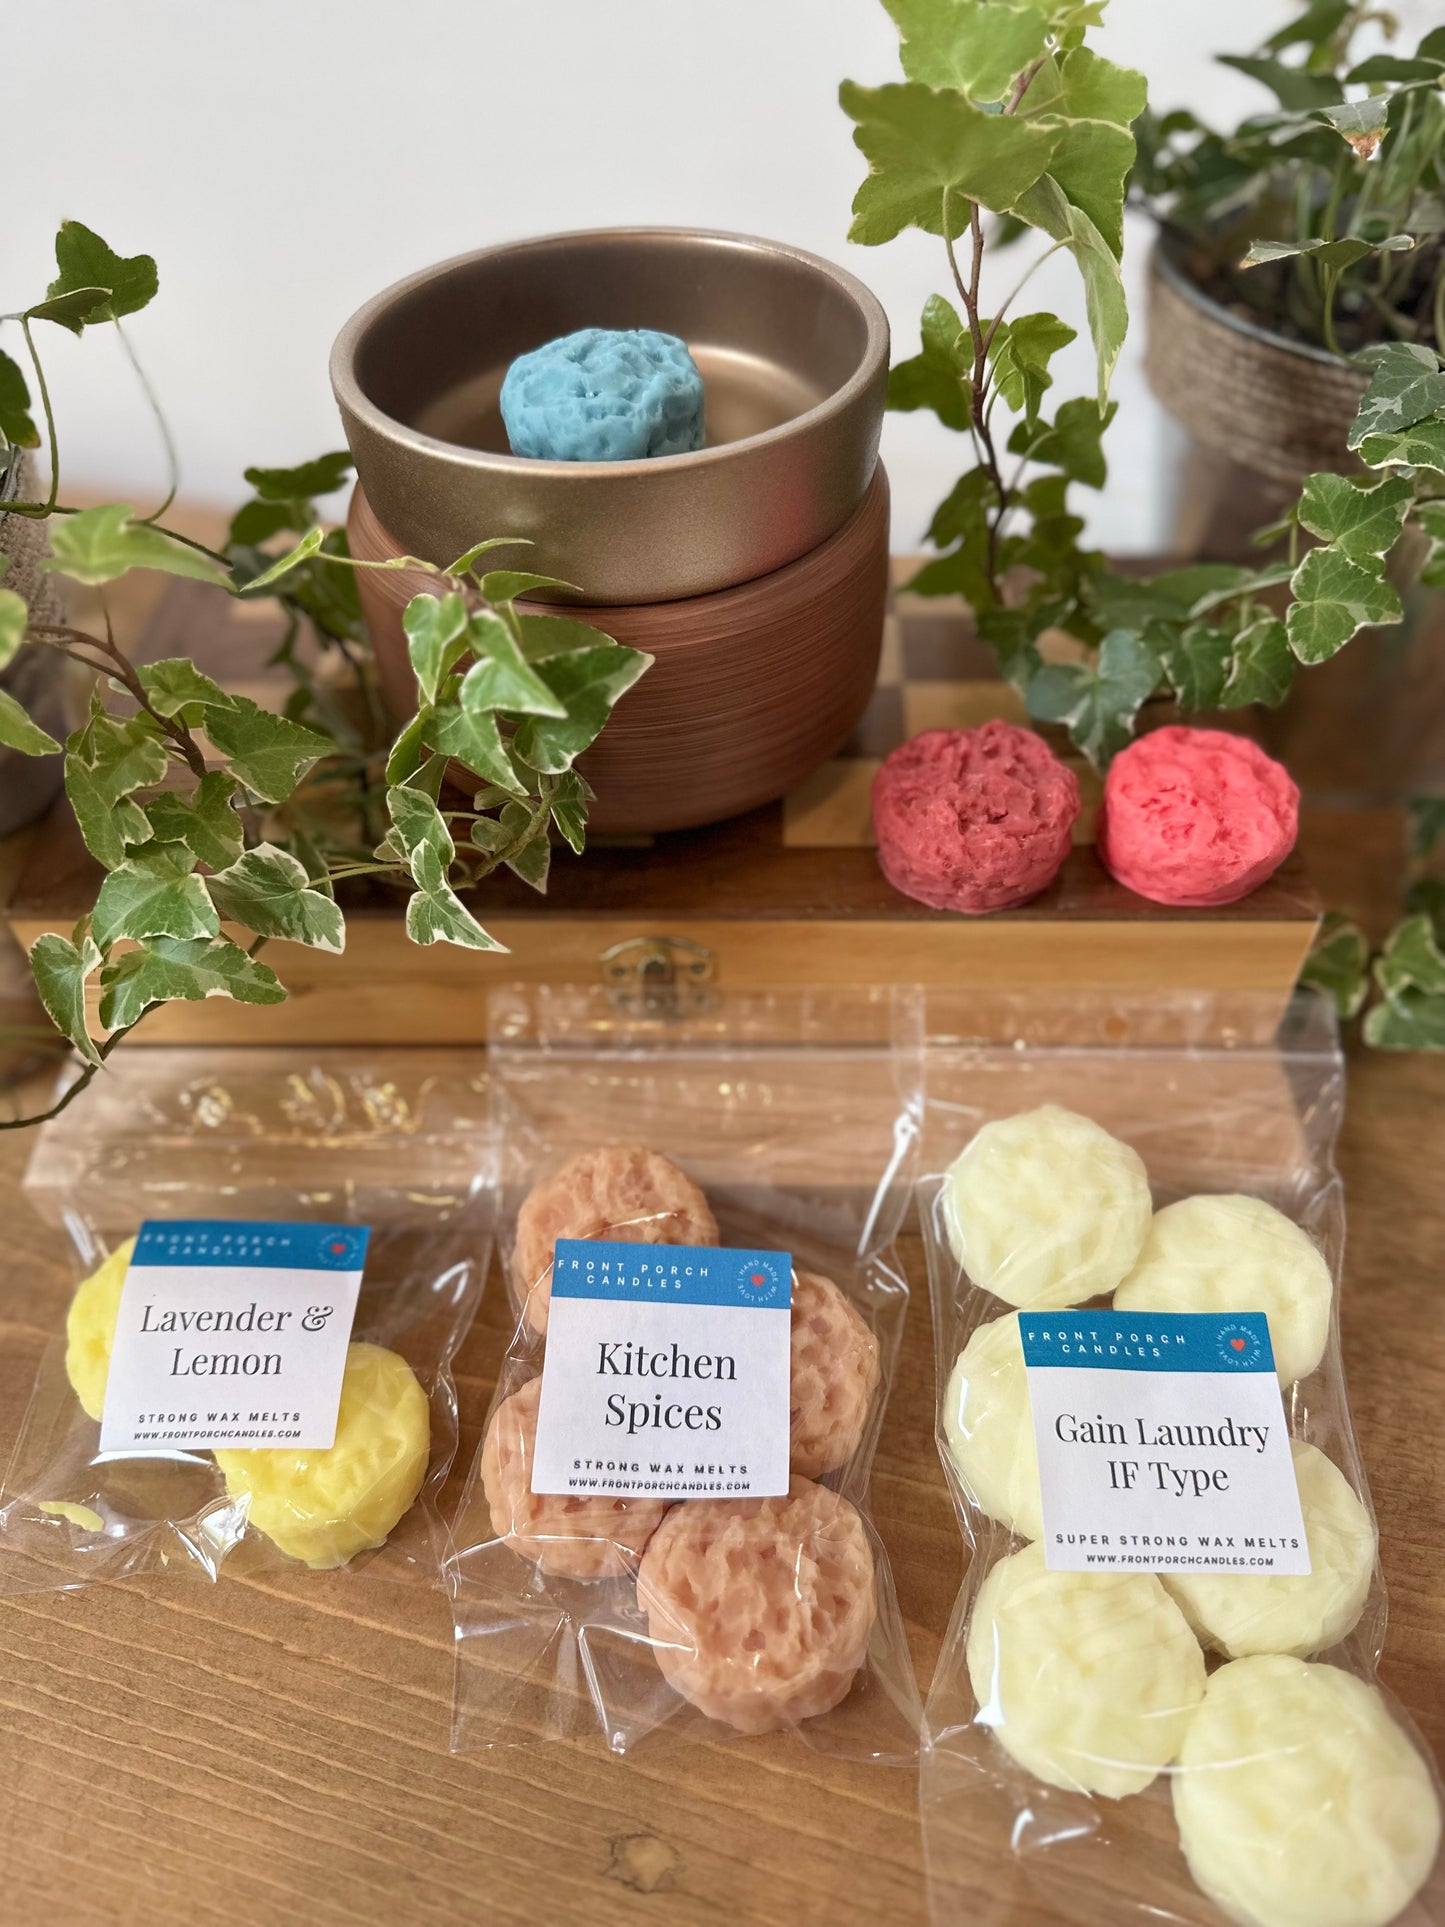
{"points": [[753, 687]]}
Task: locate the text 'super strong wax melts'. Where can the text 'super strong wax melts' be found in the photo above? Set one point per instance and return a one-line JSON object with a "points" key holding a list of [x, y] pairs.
{"points": [[604, 395], [1300, 1801], [324, 1507], [760, 1609], [988, 1423], [1087, 1679], [90, 1329], [1045, 1209], [1260, 1612], [1236, 1253], [834, 1374], [620, 1191]]}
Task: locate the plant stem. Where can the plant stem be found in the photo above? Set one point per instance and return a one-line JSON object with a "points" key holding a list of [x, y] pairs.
{"points": [[49, 420], [173, 462], [1015, 292], [978, 398], [117, 664]]}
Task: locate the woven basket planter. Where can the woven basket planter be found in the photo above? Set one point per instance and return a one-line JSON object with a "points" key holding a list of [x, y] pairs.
{"points": [[36, 676]]}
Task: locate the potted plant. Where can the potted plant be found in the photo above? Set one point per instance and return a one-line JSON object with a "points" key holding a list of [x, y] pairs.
{"points": [[204, 807]]}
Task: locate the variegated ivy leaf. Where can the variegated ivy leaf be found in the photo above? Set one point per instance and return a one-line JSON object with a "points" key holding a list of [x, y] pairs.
{"points": [[1411, 960], [1411, 1020], [434, 913], [270, 892], [1262, 666], [1361, 123], [1339, 964], [978, 47], [102, 544], [154, 893], [938, 377], [1406, 384], [177, 688], [570, 798], [1020, 352], [436, 638], [1046, 206], [17, 731], [588, 682], [60, 969], [929, 154], [106, 761], [500, 678], [532, 860], [1098, 701], [505, 585], [14, 616], [1363, 522], [1334, 598], [1431, 519], [543, 637], [205, 821], [269, 754], [169, 969], [472, 737], [1422, 445], [1196, 661]]}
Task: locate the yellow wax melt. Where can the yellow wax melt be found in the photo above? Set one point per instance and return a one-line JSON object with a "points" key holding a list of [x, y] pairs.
{"points": [[90, 1328], [325, 1507]]}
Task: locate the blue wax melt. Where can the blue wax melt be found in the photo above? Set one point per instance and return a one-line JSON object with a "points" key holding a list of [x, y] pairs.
{"points": [[604, 395]]}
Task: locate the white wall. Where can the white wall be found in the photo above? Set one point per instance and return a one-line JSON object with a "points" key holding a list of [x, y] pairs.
{"points": [[284, 159]]}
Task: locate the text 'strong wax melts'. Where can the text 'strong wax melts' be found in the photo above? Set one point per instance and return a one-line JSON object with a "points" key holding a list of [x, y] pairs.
{"points": [[619, 1191], [90, 1329], [760, 1610], [835, 1372], [324, 1507], [1260, 1612], [1046, 1209], [1195, 816], [1300, 1801], [1237, 1253], [1087, 1679], [974, 819], [988, 1423], [604, 395], [587, 1537]]}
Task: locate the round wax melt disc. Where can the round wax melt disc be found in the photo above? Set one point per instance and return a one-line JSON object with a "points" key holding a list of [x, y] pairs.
{"points": [[974, 819], [1234, 1253], [1244, 1613], [623, 1192], [1195, 816], [760, 1610], [90, 1329], [834, 1376], [1045, 1209], [1300, 1802], [989, 1425], [1087, 1679], [324, 1507], [604, 395], [582, 1538]]}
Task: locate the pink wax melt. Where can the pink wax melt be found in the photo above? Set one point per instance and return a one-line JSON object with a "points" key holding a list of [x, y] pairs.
{"points": [[835, 1373], [1196, 816], [974, 819]]}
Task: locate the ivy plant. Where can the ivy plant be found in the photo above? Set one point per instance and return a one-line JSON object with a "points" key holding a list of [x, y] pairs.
{"points": [[206, 809]]}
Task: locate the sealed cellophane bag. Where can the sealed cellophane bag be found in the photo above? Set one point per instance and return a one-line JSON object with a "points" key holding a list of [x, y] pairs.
{"points": [[378, 1162], [757, 1146], [1157, 1700]]}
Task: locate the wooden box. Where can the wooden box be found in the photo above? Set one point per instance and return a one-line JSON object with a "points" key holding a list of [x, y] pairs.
{"points": [[789, 894]]}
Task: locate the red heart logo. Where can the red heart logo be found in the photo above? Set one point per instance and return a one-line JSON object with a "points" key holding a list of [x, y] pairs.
{"points": [[1238, 1344], [338, 1250], [758, 1278]]}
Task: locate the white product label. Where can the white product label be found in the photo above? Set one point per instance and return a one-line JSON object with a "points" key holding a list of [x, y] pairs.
{"points": [[667, 1372], [1162, 1443], [232, 1334]]}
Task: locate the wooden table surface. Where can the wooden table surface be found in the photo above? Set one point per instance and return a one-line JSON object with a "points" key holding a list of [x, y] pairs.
{"points": [[173, 1752]]}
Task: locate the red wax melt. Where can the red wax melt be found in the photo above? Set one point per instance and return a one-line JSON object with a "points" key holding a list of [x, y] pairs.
{"points": [[974, 819], [1196, 816]]}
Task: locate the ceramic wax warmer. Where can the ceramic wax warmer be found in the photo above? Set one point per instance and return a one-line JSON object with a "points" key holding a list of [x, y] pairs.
{"points": [[754, 570]]}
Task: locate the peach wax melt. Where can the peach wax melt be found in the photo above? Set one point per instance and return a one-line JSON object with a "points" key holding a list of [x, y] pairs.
{"points": [[834, 1374]]}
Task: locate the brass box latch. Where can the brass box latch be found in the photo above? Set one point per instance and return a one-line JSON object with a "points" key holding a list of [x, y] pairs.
{"points": [[659, 976]]}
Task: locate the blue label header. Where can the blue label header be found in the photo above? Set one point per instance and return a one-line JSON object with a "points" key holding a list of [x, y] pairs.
{"points": [[672, 1274], [1148, 1341], [253, 1242]]}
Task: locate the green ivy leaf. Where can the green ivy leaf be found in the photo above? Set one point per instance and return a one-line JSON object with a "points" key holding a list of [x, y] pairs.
{"points": [[979, 47], [270, 892], [1093, 89], [1360, 123], [533, 859], [1334, 598], [589, 682], [18, 732], [16, 423], [570, 800], [168, 970], [1097, 701], [74, 310], [1406, 384], [1339, 964], [1430, 517], [1426, 896], [154, 893], [1295, 88], [1415, 1020], [505, 585], [1362, 522], [1046, 206], [14, 619], [1411, 960], [500, 677], [405, 757], [436, 638], [962, 517], [85, 261], [1196, 661], [205, 821], [1333, 255], [60, 970], [930, 153], [544, 637], [468, 556], [1020, 352], [472, 737], [938, 377], [304, 483], [434, 914], [1321, 20], [1073, 443], [1090, 166], [1262, 667], [269, 754], [177, 688], [309, 545], [102, 544]]}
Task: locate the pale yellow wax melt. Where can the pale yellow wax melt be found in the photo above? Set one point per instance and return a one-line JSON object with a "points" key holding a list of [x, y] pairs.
{"points": [[90, 1329], [988, 1423], [325, 1507]]}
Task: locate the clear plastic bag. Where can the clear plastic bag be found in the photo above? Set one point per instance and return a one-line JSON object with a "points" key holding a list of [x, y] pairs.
{"points": [[762, 1121], [395, 1140], [1141, 1747]]}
